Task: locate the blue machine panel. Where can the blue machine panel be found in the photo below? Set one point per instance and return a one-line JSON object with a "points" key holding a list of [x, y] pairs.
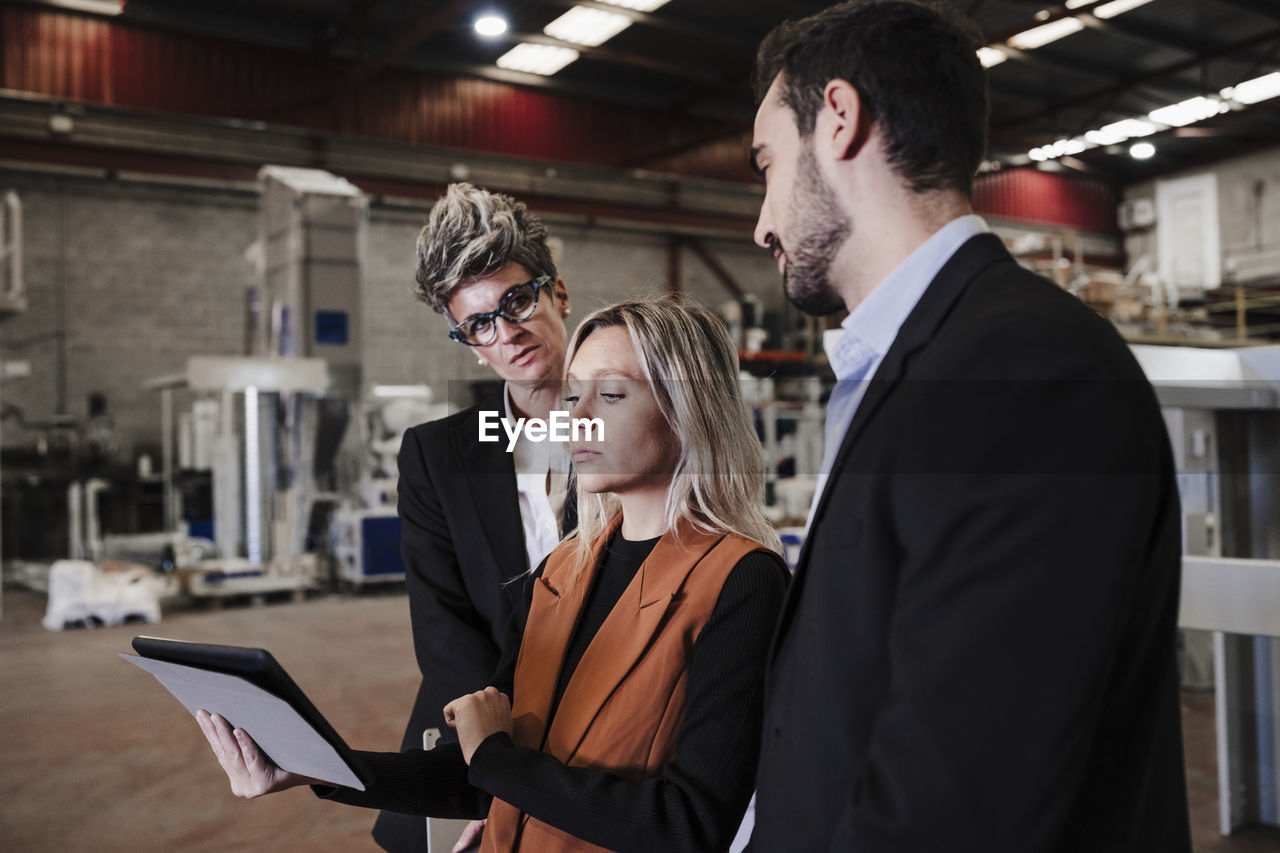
{"points": [[380, 545], [331, 328]]}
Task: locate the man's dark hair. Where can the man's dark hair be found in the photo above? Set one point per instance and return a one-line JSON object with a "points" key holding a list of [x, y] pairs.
{"points": [[916, 69]]}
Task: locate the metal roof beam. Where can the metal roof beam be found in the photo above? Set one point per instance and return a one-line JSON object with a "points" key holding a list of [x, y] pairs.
{"points": [[666, 21], [620, 57], [1051, 13], [358, 14], [1149, 32], [409, 38], [1266, 8], [1051, 63], [1159, 74], [714, 136]]}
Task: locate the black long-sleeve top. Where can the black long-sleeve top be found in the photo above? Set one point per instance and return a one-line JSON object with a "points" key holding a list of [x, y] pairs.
{"points": [[698, 800]]}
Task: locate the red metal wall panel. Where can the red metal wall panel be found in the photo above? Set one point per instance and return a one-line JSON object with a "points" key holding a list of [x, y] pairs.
{"points": [[117, 64], [1073, 201]]}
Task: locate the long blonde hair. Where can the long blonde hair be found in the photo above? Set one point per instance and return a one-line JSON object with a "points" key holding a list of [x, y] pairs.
{"points": [[691, 366]]}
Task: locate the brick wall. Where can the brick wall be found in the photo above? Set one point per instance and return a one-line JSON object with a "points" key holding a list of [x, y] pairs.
{"points": [[138, 277], [142, 276]]}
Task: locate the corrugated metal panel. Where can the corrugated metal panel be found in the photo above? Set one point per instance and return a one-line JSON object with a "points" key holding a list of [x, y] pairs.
{"points": [[112, 63], [117, 64], [1081, 202]]}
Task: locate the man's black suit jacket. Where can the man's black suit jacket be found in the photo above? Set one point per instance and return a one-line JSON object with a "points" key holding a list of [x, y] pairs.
{"points": [[462, 542], [978, 649]]}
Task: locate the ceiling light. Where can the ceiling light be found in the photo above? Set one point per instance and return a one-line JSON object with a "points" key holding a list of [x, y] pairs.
{"points": [[96, 7], [1117, 7], [1045, 33], [1255, 90], [1108, 10], [638, 5], [1119, 131], [1142, 151], [541, 59], [1106, 136], [491, 25], [1069, 146], [990, 57], [1188, 111], [1058, 149], [584, 25]]}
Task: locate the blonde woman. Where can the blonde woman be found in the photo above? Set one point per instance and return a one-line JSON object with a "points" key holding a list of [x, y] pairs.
{"points": [[625, 713]]}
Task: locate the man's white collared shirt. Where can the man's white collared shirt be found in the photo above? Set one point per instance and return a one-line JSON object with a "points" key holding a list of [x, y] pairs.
{"points": [[856, 350]]}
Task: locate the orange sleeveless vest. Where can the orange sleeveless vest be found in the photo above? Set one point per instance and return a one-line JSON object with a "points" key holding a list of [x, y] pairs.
{"points": [[625, 702]]}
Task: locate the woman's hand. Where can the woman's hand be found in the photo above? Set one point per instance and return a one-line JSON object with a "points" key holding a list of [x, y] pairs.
{"points": [[476, 716], [251, 773], [470, 838]]}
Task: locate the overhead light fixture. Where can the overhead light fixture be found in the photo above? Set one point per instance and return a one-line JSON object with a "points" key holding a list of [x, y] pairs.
{"points": [[1188, 112], [587, 26], [1108, 10], [491, 26], [1119, 131], [1039, 36], [1181, 114], [990, 57], [1142, 151], [1060, 148], [541, 59], [93, 7], [638, 5], [1116, 7], [1255, 90], [1069, 146], [1045, 33]]}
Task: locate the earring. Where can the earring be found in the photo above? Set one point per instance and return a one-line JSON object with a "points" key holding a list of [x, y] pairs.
{"points": [[565, 311], [481, 362]]}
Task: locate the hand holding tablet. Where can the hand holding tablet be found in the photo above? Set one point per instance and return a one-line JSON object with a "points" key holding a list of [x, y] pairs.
{"points": [[245, 688]]}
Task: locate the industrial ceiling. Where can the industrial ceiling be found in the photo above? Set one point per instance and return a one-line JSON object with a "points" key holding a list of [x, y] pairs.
{"points": [[406, 95], [691, 60]]}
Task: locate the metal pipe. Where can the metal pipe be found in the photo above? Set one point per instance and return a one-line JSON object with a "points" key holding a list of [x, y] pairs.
{"points": [[15, 290], [252, 479], [673, 264], [75, 522], [92, 524], [166, 455], [61, 301]]}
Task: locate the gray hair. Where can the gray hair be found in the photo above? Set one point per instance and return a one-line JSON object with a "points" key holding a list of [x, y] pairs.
{"points": [[691, 366], [472, 233]]}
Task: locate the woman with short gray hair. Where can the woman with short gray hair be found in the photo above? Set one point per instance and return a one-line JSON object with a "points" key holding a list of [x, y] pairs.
{"points": [[472, 515]]}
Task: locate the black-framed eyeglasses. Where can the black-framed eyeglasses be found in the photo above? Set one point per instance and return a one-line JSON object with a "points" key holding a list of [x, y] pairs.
{"points": [[515, 306]]}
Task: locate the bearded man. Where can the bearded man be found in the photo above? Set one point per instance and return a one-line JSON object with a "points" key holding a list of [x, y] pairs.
{"points": [[978, 651]]}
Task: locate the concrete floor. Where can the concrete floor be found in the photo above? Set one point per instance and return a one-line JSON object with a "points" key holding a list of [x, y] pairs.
{"points": [[95, 755]]}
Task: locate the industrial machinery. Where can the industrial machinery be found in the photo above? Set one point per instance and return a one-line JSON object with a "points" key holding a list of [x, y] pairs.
{"points": [[365, 533], [1223, 412], [256, 524]]}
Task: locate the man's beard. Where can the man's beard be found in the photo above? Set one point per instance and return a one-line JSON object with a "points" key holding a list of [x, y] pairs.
{"points": [[820, 227]]}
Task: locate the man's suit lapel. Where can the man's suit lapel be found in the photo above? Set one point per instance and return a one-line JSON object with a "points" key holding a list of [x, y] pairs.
{"points": [[490, 476], [917, 331]]}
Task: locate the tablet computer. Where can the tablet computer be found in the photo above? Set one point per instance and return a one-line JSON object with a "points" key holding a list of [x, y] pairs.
{"points": [[230, 675]]}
